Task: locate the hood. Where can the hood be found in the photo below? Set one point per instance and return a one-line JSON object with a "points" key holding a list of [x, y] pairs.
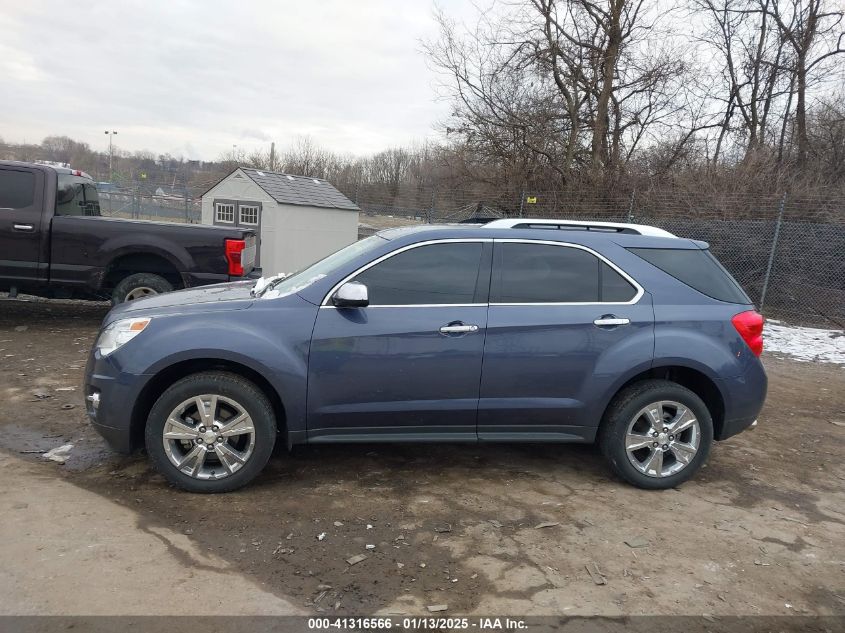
{"points": [[228, 296]]}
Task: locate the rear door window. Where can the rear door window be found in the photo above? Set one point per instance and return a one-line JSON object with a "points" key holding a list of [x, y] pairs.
{"points": [[17, 189], [76, 196], [433, 274], [545, 273], [698, 269]]}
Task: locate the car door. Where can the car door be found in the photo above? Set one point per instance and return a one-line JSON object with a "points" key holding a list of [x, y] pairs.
{"points": [[407, 366], [563, 325], [23, 258]]}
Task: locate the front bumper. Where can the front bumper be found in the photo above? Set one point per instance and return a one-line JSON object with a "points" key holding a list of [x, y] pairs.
{"points": [[110, 397]]}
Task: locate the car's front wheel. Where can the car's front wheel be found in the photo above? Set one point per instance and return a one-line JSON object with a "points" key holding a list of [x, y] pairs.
{"points": [[211, 432], [656, 434]]}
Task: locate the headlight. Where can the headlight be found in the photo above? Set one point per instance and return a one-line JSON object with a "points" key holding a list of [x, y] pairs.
{"points": [[119, 333]]}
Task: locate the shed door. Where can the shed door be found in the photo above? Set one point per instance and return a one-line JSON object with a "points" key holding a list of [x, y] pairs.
{"points": [[241, 213]]}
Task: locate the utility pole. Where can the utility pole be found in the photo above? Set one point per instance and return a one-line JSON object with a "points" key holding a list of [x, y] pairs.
{"points": [[111, 151], [273, 156]]}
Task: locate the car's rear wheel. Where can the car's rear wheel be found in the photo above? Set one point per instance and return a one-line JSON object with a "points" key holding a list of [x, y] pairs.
{"points": [[211, 432], [138, 286], [656, 434]]}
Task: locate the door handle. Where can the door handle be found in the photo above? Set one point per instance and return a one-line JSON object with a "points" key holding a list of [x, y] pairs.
{"points": [[23, 227], [458, 328], [610, 320]]}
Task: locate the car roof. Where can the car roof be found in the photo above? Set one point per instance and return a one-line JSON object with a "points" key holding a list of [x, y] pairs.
{"points": [[582, 225], [554, 231]]}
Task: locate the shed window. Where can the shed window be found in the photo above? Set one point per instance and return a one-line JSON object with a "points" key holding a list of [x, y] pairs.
{"points": [[249, 215], [224, 213]]}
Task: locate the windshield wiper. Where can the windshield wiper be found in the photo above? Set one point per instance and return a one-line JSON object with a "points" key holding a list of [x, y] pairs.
{"points": [[265, 283]]}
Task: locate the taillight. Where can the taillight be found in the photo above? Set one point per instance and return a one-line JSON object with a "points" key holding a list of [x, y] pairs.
{"points": [[750, 327], [233, 256]]}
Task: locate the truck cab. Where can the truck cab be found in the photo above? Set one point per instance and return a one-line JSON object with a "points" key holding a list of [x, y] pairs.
{"points": [[55, 243]]}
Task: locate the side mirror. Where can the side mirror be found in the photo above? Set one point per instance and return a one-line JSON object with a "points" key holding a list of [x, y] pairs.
{"points": [[352, 294]]}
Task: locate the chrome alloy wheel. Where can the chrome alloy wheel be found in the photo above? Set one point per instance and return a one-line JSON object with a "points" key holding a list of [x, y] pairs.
{"points": [[209, 437], [662, 439], [139, 293]]}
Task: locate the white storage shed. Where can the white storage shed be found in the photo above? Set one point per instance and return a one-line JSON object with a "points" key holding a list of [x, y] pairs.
{"points": [[299, 219]]}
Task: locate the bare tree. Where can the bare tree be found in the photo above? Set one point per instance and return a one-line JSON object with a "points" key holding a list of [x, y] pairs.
{"points": [[741, 34], [814, 31], [554, 86], [826, 132]]}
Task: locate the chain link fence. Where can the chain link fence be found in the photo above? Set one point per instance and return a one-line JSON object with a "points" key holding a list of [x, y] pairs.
{"points": [[787, 253], [133, 203]]}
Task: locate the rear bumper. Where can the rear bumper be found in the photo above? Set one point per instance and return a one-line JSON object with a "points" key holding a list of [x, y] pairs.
{"points": [[744, 397], [736, 426]]}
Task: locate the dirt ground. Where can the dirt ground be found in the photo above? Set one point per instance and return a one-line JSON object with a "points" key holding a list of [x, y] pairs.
{"points": [[760, 531]]}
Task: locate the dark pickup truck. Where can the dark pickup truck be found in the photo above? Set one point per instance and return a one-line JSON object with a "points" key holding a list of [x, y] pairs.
{"points": [[54, 243]]}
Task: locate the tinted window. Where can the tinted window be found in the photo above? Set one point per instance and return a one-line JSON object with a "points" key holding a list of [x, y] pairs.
{"points": [[70, 199], [614, 287], [438, 273], [76, 196], [541, 273], [697, 269], [17, 189], [92, 200]]}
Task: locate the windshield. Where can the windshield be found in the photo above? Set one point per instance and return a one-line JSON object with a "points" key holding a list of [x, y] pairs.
{"points": [[288, 284]]}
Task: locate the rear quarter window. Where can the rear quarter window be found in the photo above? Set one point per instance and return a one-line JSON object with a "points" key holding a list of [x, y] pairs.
{"points": [[696, 268]]}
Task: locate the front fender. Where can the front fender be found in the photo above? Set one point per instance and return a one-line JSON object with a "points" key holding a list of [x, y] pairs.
{"points": [[273, 340]]}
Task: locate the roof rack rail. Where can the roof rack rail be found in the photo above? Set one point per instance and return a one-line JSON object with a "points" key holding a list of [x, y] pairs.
{"points": [[579, 225]]}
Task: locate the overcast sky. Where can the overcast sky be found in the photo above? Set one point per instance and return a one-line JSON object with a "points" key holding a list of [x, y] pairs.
{"points": [[194, 77]]}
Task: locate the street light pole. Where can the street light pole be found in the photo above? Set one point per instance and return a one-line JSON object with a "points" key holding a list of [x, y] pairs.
{"points": [[111, 151]]}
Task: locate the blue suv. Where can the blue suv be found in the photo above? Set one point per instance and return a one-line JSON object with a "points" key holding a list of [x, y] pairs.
{"points": [[513, 331]]}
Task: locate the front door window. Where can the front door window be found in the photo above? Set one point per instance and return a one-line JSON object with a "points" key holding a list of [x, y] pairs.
{"points": [[436, 274]]}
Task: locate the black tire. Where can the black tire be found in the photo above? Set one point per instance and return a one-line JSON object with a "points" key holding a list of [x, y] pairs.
{"points": [[225, 384], [623, 408], [156, 283]]}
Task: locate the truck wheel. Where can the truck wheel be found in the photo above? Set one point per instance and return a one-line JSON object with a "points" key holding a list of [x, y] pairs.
{"points": [[211, 432], [656, 434], [139, 285]]}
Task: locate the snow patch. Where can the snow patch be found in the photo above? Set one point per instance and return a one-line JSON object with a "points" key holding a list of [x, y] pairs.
{"points": [[805, 344]]}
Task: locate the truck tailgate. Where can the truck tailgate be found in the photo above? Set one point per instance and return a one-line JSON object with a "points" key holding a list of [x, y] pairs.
{"points": [[248, 254]]}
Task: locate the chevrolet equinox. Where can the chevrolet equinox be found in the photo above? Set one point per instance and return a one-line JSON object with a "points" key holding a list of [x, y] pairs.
{"points": [[513, 331]]}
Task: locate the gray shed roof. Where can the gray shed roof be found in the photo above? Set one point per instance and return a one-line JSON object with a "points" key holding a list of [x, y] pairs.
{"points": [[289, 189]]}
